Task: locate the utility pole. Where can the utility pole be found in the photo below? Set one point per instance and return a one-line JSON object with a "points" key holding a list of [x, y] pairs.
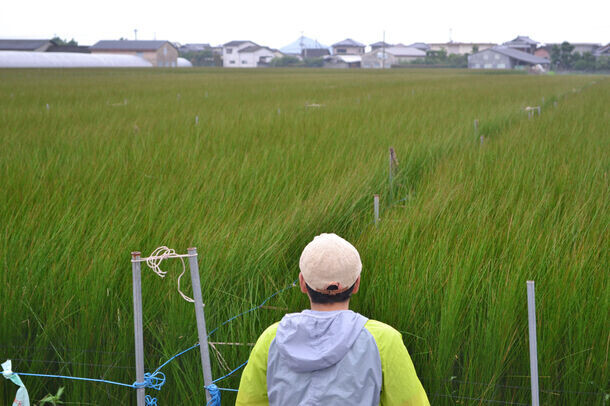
{"points": [[135, 33]]}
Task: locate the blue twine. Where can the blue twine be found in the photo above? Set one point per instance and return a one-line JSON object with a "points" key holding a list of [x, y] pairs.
{"points": [[214, 392], [154, 381], [230, 373], [150, 401], [293, 284], [75, 378]]}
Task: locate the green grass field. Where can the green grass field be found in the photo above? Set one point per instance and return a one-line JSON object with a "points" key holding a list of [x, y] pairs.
{"points": [[117, 163]]}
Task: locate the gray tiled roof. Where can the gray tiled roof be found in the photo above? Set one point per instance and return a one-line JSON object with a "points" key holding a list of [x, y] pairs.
{"points": [[420, 45], [23, 44], [519, 55], [522, 39], [127, 45], [252, 48], [381, 44], [348, 43], [235, 43]]}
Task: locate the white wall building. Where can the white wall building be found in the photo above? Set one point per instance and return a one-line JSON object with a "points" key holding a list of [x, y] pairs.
{"points": [[386, 58], [230, 53]]}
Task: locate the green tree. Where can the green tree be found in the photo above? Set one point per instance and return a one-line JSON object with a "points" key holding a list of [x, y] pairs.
{"points": [[286, 61], [202, 58], [64, 42]]}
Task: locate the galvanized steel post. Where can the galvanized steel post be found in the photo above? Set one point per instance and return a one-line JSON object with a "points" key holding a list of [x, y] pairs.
{"points": [[376, 208], [531, 312], [201, 329], [137, 325]]}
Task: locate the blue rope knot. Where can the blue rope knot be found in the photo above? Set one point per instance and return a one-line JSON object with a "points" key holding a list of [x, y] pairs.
{"points": [[150, 401], [214, 394], [154, 381]]}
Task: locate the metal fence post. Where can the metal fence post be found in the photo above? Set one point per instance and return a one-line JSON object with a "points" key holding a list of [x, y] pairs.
{"points": [[390, 171], [137, 325], [201, 329], [531, 313], [376, 208]]}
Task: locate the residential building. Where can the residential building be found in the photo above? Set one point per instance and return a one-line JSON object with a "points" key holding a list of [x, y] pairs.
{"points": [[543, 52], [503, 57], [302, 43], [348, 47], [380, 44], [31, 45], [230, 52], [310, 53], [460, 48], [522, 43], [420, 45], [342, 61], [388, 57], [603, 51], [158, 53], [579, 47], [255, 56], [194, 47]]}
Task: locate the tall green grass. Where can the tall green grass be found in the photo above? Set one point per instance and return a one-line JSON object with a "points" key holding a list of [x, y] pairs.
{"points": [[91, 179]]}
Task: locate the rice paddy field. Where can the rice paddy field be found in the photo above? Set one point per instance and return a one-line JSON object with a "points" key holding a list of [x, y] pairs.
{"points": [[248, 166]]}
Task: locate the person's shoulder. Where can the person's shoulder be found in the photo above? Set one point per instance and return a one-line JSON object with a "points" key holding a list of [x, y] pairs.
{"points": [[378, 328], [269, 334]]}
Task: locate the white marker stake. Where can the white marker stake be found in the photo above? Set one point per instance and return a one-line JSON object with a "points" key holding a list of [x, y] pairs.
{"points": [[376, 208], [138, 326], [200, 318], [196, 120], [48, 107], [531, 313]]}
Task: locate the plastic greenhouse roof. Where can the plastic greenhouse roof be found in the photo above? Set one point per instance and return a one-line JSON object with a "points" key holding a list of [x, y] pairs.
{"points": [[19, 59], [184, 63]]}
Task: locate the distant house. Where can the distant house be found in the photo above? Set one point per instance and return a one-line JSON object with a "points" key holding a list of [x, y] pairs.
{"points": [[602, 51], [79, 49], [420, 45], [310, 53], [301, 44], [460, 48], [579, 47], [522, 43], [158, 53], [194, 47], [255, 56], [230, 52], [342, 61], [503, 57], [388, 57], [32, 45], [543, 52], [380, 44], [348, 47]]}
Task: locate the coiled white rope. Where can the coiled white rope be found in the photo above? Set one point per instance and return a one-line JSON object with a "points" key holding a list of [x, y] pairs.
{"points": [[154, 262]]}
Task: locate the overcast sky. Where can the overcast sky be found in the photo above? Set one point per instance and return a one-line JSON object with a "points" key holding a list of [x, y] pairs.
{"points": [[276, 23]]}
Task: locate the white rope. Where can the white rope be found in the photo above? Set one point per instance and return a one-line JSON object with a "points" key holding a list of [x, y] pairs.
{"points": [[154, 262]]}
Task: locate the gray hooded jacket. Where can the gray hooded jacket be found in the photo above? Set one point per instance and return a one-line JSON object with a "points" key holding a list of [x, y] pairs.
{"points": [[323, 358]]}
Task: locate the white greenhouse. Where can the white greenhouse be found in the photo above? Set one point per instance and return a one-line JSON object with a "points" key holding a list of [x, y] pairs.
{"points": [[184, 63], [19, 59]]}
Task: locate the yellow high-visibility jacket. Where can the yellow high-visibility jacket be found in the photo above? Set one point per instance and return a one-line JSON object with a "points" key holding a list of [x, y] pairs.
{"points": [[373, 368]]}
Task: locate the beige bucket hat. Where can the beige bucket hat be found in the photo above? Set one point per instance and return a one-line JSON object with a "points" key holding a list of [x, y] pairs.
{"points": [[330, 264]]}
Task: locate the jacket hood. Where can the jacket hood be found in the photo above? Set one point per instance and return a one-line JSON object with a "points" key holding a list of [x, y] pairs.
{"points": [[313, 340]]}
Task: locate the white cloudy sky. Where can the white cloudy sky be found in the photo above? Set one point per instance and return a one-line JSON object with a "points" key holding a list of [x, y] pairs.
{"points": [[276, 23]]}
